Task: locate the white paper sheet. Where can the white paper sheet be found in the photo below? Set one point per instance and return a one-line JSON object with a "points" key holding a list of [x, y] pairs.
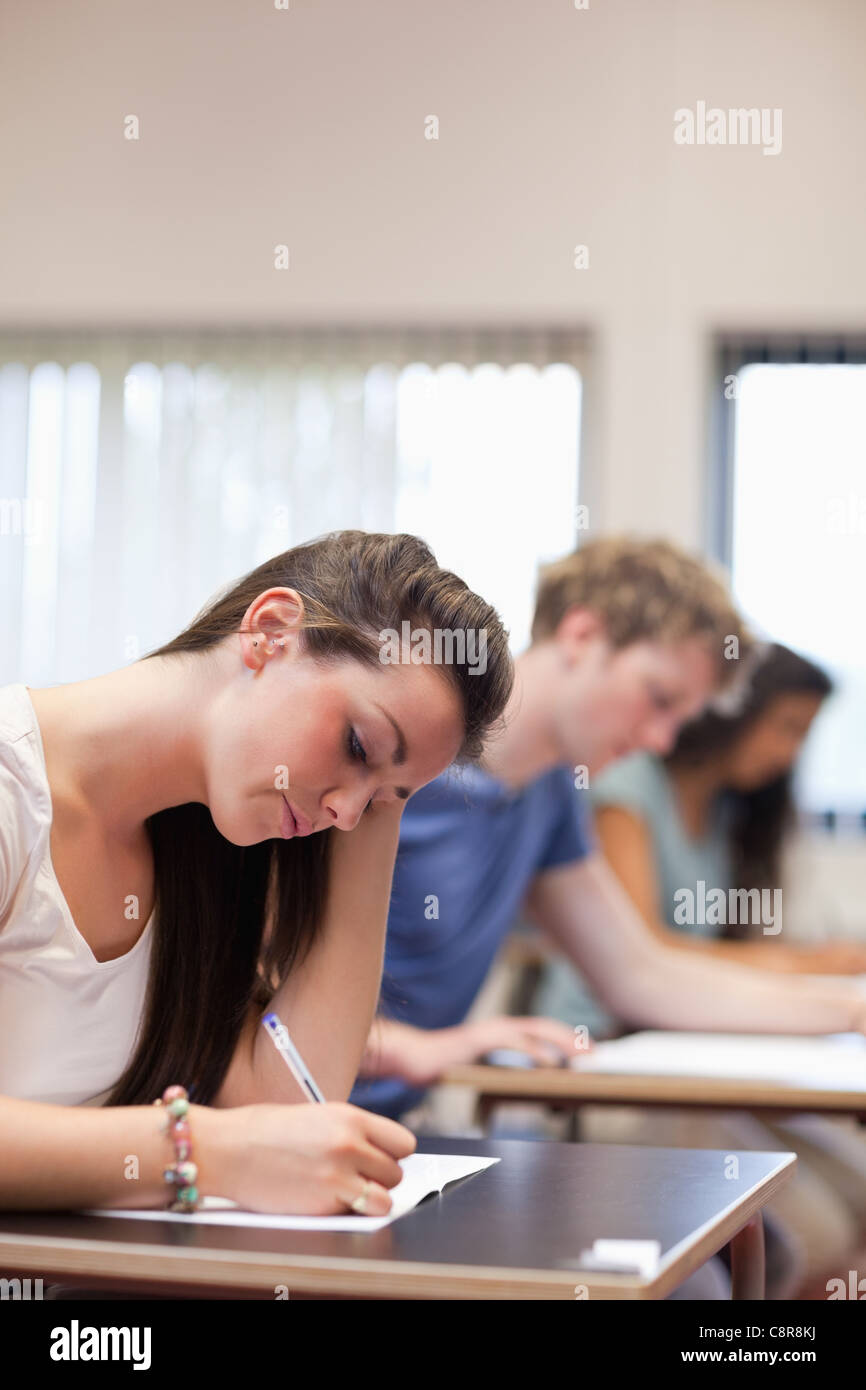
{"points": [[834, 1060], [422, 1174]]}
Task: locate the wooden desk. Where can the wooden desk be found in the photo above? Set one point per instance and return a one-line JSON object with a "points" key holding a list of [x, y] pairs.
{"points": [[514, 1231], [567, 1088]]}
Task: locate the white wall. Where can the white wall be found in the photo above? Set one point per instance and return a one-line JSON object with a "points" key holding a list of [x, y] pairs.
{"points": [[261, 126]]}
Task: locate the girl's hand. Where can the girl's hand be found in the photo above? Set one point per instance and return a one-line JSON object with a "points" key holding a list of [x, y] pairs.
{"points": [[306, 1159]]}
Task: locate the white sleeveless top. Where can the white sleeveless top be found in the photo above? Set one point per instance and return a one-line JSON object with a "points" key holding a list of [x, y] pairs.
{"points": [[68, 1022]]}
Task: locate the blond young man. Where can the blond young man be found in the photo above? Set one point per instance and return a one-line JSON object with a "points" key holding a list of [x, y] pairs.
{"points": [[630, 639]]}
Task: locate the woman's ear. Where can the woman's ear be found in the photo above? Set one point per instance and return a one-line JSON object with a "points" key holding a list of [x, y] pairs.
{"points": [[271, 626]]}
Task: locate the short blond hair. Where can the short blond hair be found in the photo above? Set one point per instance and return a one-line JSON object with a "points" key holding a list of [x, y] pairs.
{"points": [[644, 590]]}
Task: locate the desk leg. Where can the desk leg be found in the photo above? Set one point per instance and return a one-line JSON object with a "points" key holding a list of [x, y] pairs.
{"points": [[747, 1260], [485, 1108], [574, 1126]]}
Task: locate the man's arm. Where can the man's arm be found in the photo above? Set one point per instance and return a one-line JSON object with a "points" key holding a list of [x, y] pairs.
{"points": [[328, 1001], [626, 842], [587, 912]]}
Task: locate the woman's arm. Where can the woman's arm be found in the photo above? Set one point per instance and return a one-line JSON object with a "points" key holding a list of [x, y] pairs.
{"points": [[329, 1001], [627, 846], [63, 1157], [280, 1158]]}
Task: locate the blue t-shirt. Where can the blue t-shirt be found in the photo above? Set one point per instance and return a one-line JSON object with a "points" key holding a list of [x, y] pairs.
{"points": [[469, 850]]}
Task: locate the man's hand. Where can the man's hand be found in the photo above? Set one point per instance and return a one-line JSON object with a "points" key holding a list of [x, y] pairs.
{"points": [[420, 1056]]}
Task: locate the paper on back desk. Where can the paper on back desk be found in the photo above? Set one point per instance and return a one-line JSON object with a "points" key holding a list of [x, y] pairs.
{"points": [[836, 1059], [422, 1174]]}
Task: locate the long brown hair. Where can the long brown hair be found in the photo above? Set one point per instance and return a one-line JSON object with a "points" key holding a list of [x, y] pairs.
{"points": [[212, 959], [760, 818]]}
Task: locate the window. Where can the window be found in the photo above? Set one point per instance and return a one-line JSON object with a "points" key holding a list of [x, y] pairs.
{"points": [[797, 547], [139, 476]]}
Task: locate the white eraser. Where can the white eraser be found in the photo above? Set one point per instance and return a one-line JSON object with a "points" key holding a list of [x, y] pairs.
{"points": [[642, 1256]]}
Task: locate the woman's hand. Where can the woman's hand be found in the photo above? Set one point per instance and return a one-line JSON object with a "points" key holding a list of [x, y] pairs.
{"points": [[302, 1159], [420, 1056]]}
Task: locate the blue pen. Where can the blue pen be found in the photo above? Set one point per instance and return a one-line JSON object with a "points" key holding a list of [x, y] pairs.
{"points": [[279, 1036]]}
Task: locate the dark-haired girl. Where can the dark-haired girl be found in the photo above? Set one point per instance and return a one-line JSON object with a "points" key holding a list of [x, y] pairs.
{"points": [[204, 833]]}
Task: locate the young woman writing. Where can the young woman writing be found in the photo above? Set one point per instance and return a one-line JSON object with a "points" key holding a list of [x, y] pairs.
{"points": [[189, 792]]}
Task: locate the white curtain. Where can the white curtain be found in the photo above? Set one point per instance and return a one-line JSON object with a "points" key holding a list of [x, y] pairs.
{"points": [[141, 474]]}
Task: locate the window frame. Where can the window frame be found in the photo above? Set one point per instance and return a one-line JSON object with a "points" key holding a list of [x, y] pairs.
{"points": [[731, 353]]}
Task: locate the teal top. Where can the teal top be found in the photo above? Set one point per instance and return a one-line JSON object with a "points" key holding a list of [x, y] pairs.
{"points": [[641, 783]]}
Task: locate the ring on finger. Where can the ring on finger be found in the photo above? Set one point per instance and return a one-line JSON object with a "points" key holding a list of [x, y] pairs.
{"points": [[360, 1202]]}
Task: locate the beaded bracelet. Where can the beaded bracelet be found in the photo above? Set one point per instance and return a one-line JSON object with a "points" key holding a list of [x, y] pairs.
{"points": [[183, 1172]]}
